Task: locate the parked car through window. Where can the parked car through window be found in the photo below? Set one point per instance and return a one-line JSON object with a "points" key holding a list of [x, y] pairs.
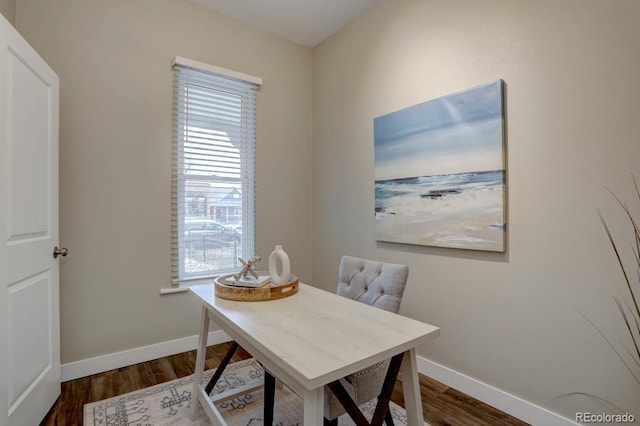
{"points": [[204, 234]]}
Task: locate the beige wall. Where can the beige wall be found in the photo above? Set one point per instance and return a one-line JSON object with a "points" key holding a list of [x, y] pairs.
{"points": [[8, 9], [571, 70], [113, 59]]}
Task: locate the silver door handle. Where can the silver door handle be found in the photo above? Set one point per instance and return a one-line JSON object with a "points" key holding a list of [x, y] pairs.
{"points": [[60, 252]]}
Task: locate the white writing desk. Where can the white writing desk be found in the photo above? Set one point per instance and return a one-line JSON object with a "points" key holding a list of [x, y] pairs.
{"points": [[311, 339]]}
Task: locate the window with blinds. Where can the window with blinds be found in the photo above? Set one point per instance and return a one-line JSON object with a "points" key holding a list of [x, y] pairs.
{"points": [[214, 119]]}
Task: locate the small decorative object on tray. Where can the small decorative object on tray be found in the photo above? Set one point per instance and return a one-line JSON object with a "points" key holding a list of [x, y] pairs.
{"points": [[247, 268], [247, 277], [278, 254]]}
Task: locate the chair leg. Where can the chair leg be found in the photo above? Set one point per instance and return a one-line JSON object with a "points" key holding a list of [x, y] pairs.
{"points": [[328, 422], [269, 397]]}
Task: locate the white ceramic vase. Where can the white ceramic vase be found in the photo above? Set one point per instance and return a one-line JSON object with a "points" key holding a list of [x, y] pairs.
{"points": [[278, 254]]}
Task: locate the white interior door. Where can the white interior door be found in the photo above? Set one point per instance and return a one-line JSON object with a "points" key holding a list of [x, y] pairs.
{"points": [[29, 293]]}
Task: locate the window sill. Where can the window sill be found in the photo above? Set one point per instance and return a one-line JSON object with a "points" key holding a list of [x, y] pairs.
{"points": [[183, 286]]}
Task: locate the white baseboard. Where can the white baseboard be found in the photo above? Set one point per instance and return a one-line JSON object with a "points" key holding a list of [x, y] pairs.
{"points": [[517, 407], [87, 367], [503, 401]]}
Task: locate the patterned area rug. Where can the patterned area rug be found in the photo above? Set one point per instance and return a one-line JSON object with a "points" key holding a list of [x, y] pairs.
{"points": [[169, 404]]}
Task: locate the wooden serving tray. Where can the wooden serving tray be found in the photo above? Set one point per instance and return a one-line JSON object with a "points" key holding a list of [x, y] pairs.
{"points": [[248, 294]]}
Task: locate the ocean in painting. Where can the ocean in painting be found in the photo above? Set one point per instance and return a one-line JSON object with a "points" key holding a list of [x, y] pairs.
{"points": [[461, 210]]}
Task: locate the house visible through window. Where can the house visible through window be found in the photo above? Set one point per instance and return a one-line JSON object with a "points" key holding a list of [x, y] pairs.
{"points": [[213, 172]]}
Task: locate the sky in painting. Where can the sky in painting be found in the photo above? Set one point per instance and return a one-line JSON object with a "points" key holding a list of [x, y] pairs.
{"points": [[457, 133]]}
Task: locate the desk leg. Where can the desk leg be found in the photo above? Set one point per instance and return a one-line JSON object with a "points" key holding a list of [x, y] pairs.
{"points": [[411, 389], [200, 358], [269, 397], [314, 407]]}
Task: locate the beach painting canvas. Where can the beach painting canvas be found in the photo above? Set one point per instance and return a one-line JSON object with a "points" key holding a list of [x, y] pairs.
{"points": [[440, 171]]}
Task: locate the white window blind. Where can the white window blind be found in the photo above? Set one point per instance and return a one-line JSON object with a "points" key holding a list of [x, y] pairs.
{"points": [[214, 120]]}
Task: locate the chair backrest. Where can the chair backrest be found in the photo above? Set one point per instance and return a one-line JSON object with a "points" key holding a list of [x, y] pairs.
{"points": [[374, 283]]}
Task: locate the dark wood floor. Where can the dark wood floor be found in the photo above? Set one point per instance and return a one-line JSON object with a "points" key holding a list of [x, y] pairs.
{"points": [[441, 405]]}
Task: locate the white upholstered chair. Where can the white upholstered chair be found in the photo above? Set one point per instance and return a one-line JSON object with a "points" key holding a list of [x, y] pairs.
{"points": [[380, 285]]}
